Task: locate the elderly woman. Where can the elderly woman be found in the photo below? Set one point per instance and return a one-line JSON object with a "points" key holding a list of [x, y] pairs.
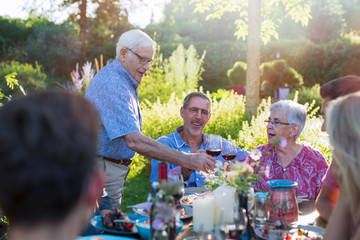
{"points": [[343, 126], [284, 158]]}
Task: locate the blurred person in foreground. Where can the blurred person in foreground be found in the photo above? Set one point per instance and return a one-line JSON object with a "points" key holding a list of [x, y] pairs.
{"points": [[48, 181], [329, 192], [284, 158], [196, 112], [114, 92], [343, 126]]}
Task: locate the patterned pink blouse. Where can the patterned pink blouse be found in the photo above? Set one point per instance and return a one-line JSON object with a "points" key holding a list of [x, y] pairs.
{"points": [[307, 169]]}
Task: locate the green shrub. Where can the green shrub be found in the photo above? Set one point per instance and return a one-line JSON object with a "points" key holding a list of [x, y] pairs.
{"points": [[54, 46], [307, 95], [237, 74], [29, 77], [181, 71], [278, 74]]}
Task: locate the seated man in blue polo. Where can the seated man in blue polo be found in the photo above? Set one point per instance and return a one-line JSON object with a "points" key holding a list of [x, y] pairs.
{"points": [[190, 138]]}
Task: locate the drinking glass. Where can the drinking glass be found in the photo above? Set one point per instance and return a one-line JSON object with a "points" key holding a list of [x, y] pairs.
{"points": [[235, 230], [261, 213], [181, 190], [228, 150], [213, 145]]}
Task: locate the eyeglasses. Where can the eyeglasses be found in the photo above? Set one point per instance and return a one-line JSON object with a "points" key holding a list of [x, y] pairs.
{"points": [[276, 123], [143, 60], [195, 110]]}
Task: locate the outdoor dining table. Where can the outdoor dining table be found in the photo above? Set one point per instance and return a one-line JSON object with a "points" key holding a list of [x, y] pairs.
{"points": [[307, 216]]}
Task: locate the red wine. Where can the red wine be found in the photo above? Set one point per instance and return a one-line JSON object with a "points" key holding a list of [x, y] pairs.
{"points": [[162, 172], [232, 231], [228, 157], [213, 152]]}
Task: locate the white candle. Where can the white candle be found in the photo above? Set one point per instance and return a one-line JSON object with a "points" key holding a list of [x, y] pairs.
{"points": [[203, 214], [224, 197]]}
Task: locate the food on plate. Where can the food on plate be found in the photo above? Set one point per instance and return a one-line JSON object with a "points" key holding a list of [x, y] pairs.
{"points": [[180, 209], [108, 221]]}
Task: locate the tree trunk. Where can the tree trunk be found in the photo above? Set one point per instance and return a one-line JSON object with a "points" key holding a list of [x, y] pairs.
{"points": [[253, 59], [83, 25]]}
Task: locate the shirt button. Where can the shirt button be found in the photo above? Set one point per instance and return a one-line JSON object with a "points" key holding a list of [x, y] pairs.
{"points": [[197, 179], [284, 169]]}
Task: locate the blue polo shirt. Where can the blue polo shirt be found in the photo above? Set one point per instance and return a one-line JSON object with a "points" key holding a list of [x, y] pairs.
{"points": [[114, 92], [174, 141]]}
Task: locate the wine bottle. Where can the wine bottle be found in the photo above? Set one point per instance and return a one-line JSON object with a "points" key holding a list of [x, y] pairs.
{"points": [[162, 171]]}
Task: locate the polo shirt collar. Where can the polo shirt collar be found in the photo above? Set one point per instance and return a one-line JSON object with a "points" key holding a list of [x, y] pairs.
{"points": [[179, 141]]}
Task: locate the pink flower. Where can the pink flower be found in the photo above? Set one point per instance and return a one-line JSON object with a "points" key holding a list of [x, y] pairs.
{"points": [[283, 142]]}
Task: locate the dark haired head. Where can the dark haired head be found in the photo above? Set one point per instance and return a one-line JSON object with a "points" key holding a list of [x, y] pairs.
{"points": [[48, 147], [195, 94], [340, 87]]}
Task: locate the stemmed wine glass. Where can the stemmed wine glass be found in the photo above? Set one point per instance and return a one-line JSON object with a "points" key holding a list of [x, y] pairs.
{"points": [[213, 145], [235, 230], [229, 150], [181, 190]]}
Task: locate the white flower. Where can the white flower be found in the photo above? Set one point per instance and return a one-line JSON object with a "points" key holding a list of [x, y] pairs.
{"points": [[255, 154]]}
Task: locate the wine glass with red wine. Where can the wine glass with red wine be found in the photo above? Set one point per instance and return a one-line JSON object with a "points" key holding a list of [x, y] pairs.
{"points": [[213, 145], [228, 150], [235, 230]]}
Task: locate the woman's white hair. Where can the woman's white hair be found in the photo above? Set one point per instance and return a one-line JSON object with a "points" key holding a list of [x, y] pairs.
{"points": [[344, 132], [295, 113], [133, 39]]}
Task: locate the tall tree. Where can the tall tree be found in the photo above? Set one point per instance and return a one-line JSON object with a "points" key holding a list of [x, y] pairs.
{"points": [[271, 12]]}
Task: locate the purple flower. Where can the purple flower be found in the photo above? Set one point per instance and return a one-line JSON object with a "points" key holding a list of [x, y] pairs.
{"points": [[157, 224], [283, 142]]}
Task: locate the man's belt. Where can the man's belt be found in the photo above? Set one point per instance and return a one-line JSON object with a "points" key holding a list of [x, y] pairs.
{"points": [[125, 162]]}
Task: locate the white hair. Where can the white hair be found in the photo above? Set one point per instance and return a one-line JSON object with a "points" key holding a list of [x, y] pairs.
{"points": [[133, 39], [344, 133], [295, 113]]}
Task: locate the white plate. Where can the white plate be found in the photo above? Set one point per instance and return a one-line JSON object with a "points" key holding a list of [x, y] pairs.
{"points": [[188, 211], [104, 237], [312, 228], [273, 234]]}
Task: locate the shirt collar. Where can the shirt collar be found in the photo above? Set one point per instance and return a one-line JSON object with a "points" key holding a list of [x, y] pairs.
{"points": [[179, 141], [122, 70]]}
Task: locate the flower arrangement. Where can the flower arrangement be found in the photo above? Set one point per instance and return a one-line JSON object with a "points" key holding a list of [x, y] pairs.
{"points": [[239, 175]]}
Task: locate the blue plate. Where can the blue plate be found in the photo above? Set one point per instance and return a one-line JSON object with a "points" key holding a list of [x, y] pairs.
{"points": [[97, 223], [104, 237]]}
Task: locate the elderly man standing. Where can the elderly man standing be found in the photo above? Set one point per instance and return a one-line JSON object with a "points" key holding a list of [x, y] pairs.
{"points": [[114, 91], [190, 138]]}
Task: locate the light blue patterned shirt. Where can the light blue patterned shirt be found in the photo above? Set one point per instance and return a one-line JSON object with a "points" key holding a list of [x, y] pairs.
{"points": [[113, 91], [174, 141]]}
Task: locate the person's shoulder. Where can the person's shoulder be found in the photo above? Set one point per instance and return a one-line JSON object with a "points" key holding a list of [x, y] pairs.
{"points": [[313, 153], [166, 139]]}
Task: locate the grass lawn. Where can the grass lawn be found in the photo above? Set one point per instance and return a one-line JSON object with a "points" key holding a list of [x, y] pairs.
{"points": [[137, 186]]}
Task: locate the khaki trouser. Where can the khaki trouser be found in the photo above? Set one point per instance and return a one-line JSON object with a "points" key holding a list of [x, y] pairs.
{"points": [[115, 177]]}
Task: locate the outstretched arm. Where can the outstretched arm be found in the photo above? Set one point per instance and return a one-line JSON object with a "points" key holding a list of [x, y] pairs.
{"points": [[148, 147]]}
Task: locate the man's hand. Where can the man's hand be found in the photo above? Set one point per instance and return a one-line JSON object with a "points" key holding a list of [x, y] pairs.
{"points": [[203, 161]]}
